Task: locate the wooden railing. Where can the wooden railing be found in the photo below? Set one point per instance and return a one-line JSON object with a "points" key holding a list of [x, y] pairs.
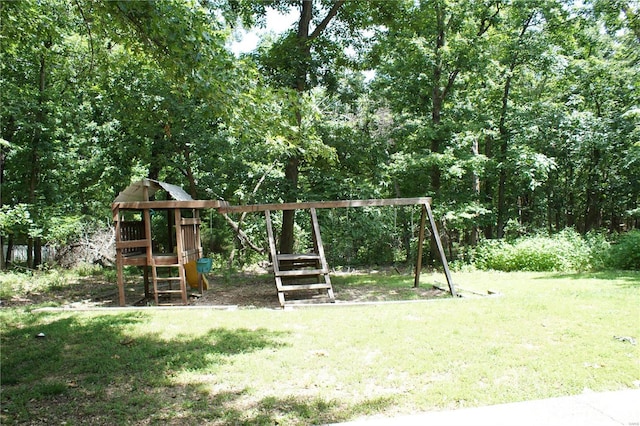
{"points": [[132, 237], [190, 230]]}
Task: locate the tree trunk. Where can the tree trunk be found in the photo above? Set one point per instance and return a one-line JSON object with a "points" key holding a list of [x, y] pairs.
{"points": [[30, 253], [37, 251], [9, 258], [504, 147], [156, 153], [475, 149], [504, 132], [488, 186], [592, 212], [3, 264], [188, 173], [33, 259], [291, 169], [437, 99], [288, 216], [304, 38], [406, 225]]}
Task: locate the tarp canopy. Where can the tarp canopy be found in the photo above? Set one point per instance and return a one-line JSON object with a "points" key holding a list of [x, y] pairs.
{"points": [[136, 191]]}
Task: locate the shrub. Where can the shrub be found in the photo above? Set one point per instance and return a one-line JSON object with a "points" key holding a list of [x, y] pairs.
{"points": [[564, 251], [29, 282], [625, 254], [599, 249]]}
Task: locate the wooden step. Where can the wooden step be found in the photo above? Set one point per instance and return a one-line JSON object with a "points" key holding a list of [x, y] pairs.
{"points": [[301, 273], [169, 292], [296, 287], [301, 256], [322, 300], [296, 268]]}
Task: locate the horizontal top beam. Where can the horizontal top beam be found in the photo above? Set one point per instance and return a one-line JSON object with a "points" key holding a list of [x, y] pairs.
{"points": [[325, 204], [169, 204], [225, 207]]}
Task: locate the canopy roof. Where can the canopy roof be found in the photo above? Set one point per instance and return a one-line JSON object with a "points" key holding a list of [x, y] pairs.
{"points": [[136, 197], [146, 188]]}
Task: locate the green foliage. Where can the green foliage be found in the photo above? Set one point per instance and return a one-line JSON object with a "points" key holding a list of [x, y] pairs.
{"points": [[625, 253], [518, 115], [64, 229], [599, 248], [18, 283], [17, 220], [565, 251], [363, 236]]}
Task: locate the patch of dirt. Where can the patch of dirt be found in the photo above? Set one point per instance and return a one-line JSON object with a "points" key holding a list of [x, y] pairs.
{"points": [[244, 290], [254, 289]]}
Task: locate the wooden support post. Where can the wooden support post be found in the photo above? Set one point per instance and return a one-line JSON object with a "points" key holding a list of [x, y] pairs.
{"points": [[149, 249], [318, 240], [272, 242], [443, 257], [320, 250], [119, 260], [180, 248], [423, 216], [145, 277], [274, 257]]}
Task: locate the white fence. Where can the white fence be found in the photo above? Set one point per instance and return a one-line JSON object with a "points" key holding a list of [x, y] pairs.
{"points": [[19, 253]]}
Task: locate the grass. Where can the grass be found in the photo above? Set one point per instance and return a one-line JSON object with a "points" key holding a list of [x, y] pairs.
{"points": [[547, 335]]}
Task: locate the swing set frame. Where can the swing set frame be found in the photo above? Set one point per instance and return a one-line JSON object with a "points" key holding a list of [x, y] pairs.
{"points": [[424, 202]]}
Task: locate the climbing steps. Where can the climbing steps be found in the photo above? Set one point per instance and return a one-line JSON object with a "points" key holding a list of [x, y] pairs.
{"points": [[168, 284], [301, 278]]}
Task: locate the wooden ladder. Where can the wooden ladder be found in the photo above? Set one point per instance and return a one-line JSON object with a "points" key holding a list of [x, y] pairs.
{"points": [[169, 280], [168, 263], [300, 272]]}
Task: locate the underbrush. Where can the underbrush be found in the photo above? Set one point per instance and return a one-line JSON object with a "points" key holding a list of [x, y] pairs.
{"points": [[28, 282], [42, 283], [565, 251], [625, 253]]}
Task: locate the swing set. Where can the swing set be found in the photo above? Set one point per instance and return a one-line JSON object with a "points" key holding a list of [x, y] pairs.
{"points": [[309, 271], [294, 274]]}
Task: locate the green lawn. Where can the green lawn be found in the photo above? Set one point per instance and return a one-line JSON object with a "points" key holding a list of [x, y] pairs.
{"points": [[546, 335]]}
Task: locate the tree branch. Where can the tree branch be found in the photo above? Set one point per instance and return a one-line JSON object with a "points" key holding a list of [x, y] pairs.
{"points": [[332, 12], [243, 237], [137, 25], [486, 23], [86, 23], [237, 225]]}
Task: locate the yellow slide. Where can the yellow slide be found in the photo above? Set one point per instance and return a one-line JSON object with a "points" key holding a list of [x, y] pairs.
{"points": [[191, 271]]}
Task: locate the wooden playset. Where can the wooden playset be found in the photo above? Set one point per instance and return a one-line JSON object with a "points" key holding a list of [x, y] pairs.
{"points": [[168, 267], [300, 273]]}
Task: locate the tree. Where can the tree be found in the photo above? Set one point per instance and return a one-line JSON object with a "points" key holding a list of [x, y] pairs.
{"points": [[41, 61], [426, 50], [295, 62]]}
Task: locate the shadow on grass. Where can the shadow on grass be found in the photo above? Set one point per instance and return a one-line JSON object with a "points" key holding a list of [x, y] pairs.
{"points": [[630, 278], [94, 370]]}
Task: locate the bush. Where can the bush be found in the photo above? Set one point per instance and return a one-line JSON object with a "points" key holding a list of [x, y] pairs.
{"points": [[16, 283], [625, 253], [599, 248], [565, 251]]}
